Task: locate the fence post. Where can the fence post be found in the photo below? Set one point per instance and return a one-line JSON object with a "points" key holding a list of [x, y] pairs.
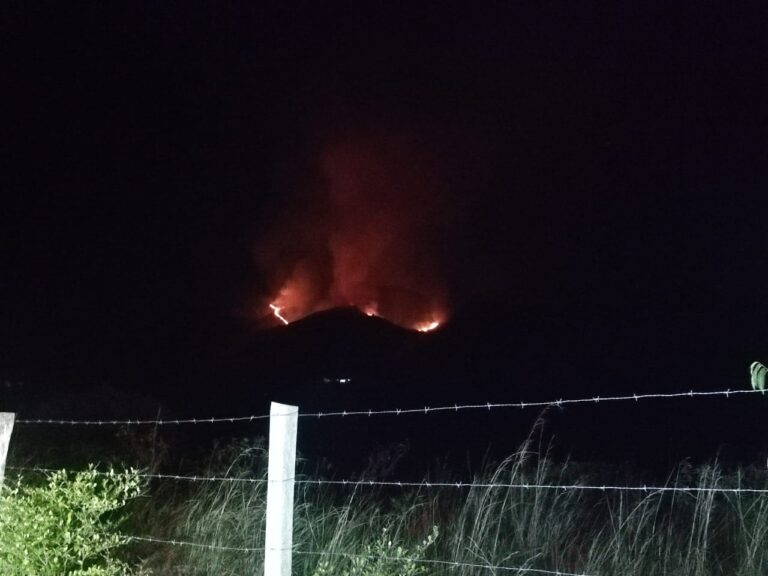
{"points": [[6, 427], [283, 423]]}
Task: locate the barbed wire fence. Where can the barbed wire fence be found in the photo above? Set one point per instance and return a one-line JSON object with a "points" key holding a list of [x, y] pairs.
{"points": [[287, 479], [397, 411], [356, 483]]}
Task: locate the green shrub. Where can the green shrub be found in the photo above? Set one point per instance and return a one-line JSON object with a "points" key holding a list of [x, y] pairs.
{"points": [[67, 526], [383, 557]]}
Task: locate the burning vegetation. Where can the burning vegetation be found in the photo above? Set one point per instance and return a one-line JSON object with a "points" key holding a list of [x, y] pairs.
{"points": [[363, 233]]}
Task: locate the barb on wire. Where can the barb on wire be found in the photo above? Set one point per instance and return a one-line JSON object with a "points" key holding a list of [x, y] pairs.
{"points": [[398, 411], [429, 485]]}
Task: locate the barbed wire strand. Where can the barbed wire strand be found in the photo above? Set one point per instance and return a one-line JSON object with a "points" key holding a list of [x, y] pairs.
{"points": [[448, 563], [529, 486], [429, 485], [153, 540], [155, 476], [522, 405], [157, 422], [394, 411]]}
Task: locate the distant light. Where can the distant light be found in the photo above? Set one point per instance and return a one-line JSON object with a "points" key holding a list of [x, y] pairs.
{"points": [[327, 380]]}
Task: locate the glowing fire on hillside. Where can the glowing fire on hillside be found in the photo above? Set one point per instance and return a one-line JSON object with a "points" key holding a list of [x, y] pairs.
{"points": [[370, 310], [427, 327], [360, 234], [276, 310]]}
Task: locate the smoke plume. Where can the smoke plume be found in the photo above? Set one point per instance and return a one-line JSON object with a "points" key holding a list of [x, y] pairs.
{"points": [[365, 232]]}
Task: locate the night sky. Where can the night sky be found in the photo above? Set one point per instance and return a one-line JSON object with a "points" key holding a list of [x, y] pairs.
{"points": [[590, 175]]}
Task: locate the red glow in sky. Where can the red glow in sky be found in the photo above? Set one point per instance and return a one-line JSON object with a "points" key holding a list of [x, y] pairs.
{"points": [[364, 235]]}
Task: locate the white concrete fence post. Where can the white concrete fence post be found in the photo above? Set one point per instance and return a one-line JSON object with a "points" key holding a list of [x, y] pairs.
{"points": [[6, 427], [283, 424]]}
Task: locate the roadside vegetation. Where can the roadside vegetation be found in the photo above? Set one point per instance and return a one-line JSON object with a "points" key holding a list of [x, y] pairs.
{"points": [[363, 530], [67, 525]]}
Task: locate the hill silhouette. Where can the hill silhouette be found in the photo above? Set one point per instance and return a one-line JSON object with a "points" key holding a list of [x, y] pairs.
{"points": [[323, 351]]}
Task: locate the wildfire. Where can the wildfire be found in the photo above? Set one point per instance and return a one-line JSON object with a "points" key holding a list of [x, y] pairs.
{"points": [[371, 310], [357, 235], [427, 326], [276, 311]]}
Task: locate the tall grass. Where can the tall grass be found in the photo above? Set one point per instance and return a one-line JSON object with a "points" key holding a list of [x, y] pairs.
{"points": [[602, 533]]}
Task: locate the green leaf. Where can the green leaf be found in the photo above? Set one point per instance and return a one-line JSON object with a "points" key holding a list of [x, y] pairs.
{"points": [[758, 373]]}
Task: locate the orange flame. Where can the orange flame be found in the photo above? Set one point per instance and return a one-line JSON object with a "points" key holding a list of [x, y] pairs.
{"points": [[276, 310], [427, 326], [371, 310]]}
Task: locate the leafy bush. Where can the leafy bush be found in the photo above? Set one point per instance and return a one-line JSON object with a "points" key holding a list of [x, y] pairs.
{"points": [[67, 526], [383, 557]]}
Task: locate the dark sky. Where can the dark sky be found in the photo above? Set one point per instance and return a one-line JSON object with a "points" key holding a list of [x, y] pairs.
{"points": [[598, 166]]}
